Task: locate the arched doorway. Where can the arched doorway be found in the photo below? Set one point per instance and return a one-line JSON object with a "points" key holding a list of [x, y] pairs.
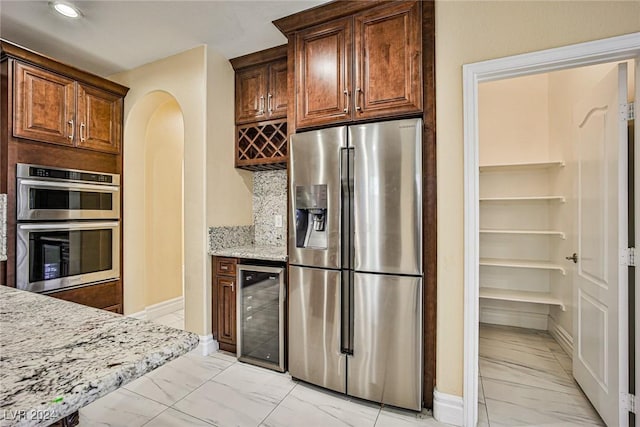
{"points": [[154, 207]]}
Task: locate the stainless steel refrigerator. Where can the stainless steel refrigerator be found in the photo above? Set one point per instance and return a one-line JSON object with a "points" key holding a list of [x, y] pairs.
{"points": [[355, 256]]}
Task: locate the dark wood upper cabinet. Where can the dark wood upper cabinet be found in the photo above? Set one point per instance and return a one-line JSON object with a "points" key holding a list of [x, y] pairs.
{"points": [[60, 110], [251, 90], [44, 105], [362, 66], [388, 71], [277, 96], [99, 115], [261, 92], [323, 73]]}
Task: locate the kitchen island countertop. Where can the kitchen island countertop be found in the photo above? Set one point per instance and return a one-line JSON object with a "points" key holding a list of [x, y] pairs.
{"points": [[3, 227], [271, 253], [58, 356]]}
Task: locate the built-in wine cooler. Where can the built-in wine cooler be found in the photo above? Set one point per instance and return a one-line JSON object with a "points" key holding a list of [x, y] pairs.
{"points": [[260, 311]]}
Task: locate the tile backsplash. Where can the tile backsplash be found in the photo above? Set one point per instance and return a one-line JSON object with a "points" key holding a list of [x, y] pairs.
{"points": [[269, 200], [231, 236]]}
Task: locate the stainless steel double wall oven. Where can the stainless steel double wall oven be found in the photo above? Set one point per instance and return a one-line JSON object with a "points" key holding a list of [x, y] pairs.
{"points": [[68, 229]]}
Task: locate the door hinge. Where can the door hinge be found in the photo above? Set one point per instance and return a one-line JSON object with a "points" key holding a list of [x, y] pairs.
{"points": [[628, 257], [629, 402], [627, 112]]}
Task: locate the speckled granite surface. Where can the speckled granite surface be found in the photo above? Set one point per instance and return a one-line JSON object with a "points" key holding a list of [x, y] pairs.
{"points": [[262, 240], [269, 199], [3, 227], [57, 356], [272, 253], [232, 236]]}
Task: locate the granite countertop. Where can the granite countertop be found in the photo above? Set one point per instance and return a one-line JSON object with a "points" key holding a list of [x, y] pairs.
{"points": [[58, 356], [3, 227], [271, 253]]}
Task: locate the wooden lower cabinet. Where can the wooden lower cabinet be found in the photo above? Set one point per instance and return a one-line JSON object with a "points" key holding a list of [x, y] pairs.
{"points": [[227, 310], [104, 295], [223, 308]]}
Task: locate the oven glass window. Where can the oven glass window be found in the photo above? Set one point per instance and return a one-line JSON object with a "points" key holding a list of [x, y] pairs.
{"points": [[56, 254], [40, 198]]}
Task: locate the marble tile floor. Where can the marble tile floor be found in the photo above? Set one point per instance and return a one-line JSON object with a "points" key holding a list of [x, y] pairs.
{"points": [[174, 319], [217, 390], [526, 380]]}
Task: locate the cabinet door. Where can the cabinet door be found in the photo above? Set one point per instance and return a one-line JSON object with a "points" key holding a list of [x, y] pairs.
{"points": [[44, 105], [323, 73], [226, 310], [99, 120], [388, 61], [251, 94], [277, 95]]}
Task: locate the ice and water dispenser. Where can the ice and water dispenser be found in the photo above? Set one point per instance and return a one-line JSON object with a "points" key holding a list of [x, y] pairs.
{"points": [[311, 216]]}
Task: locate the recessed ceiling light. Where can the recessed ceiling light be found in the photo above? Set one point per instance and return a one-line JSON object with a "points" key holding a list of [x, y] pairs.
{"points": [[66, 9]]}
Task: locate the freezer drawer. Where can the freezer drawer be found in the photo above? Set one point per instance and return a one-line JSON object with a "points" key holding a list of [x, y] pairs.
{"points": [[314, 327], [386, 365]]}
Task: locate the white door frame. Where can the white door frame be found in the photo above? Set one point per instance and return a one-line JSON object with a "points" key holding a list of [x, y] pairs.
{"points": [[619, 48]]}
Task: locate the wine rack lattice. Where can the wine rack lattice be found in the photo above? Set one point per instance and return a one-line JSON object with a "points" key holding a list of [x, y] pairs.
{"points": [[262, 146]]}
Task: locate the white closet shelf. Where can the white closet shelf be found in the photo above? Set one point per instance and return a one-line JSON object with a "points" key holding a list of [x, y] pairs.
{"points": [[526, 232], [519, 263], [515, 167], [559, 199], [521, 296]]}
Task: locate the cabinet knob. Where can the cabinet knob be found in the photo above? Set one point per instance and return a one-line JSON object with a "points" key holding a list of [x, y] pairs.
{"points": [[357, 95]]}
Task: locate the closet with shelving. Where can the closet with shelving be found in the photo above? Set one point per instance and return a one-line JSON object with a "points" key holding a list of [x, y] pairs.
{"points": [[523, 203], [518, 229], [528, 199], [530, 207]]}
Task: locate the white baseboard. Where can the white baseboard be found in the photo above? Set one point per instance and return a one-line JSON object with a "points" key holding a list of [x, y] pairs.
{"points": [[161, 309], [207, 345], [142, 315], [448, 408], [561, 335], [497, 316], [165, 307]]}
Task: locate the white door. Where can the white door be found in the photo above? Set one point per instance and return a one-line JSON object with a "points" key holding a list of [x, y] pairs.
{"points": [[600, 361]]}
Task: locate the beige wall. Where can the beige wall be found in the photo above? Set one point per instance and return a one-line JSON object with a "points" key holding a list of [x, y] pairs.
{"points": [[215, 193], [184, 78], [164, 155], [513, 122], [229, 190], [472, 31]]}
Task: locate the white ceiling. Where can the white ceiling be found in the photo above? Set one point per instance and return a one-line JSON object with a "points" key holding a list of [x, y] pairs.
{"points": [[114, 36]]}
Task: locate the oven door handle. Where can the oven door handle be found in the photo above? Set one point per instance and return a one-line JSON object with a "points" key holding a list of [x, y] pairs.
{"points": [[69, 185], [70, 225]]}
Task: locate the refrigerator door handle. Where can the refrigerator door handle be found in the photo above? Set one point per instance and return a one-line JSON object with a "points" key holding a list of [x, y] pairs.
{"points": [[346, 333], [346, 182]]}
